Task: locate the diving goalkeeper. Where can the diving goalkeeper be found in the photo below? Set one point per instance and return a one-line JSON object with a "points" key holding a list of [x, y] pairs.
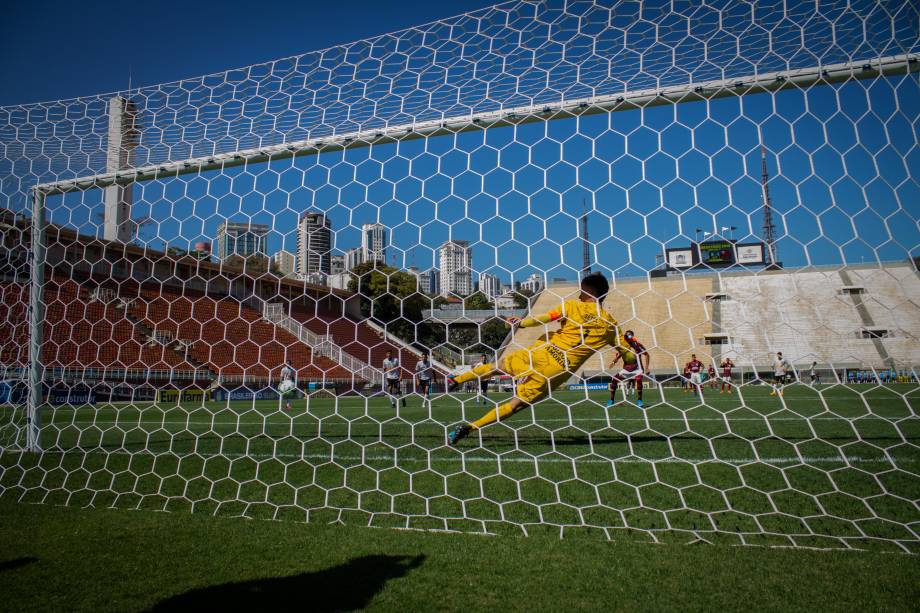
{"points": [[586, 328]]}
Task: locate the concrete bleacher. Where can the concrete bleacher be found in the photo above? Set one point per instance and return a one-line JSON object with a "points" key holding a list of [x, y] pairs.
{"points": [[808, 316], [14, 329], [80, 332], [230, 338], [356, 338]]}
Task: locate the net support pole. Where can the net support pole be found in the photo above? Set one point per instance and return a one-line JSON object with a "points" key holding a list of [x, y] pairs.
{"points": [[36, 319]]}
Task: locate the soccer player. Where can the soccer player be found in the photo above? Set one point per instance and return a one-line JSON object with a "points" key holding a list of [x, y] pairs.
{"points": [[392, 375], [813, 374], [780, 369], [685, 380], [547, 364], [711, 376], [423, 377], [727, 365], [695, 368], [635, 360], [287, 378], [482, 397]]}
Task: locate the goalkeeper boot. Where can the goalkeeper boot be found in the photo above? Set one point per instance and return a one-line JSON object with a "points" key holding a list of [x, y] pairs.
{"points": [[610, 403], [452, 385], [458, 434], [639, 403]]}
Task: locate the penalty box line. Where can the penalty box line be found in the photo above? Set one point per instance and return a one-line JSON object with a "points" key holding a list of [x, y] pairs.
{"points": [[268, 420], [465, 458]]}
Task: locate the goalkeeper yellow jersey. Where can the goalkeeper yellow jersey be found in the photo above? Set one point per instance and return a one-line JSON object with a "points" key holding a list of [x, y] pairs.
{"points": [[586, 328]]}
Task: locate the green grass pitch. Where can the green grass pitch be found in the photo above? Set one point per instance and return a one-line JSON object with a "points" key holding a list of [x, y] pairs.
{"points": [[839, 467]]}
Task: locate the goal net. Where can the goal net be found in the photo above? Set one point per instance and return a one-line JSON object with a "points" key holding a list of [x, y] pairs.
{"points": [[244, 293]]}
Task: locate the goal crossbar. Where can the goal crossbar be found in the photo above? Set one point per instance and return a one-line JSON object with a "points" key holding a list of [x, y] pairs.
{"points": [[643, 98]]}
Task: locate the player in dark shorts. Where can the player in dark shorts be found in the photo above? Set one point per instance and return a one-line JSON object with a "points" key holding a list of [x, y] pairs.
{"points": [[727, 365], [695, 368], [483, 396], [813, 373], [423, 372], [635, 359], [711, 377]]}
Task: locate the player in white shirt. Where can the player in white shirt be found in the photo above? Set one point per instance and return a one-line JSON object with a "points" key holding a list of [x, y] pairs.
{"points": [[781, 368], [482, 392], [392, 376], [423, 377], [813, 373], [287, 384]]}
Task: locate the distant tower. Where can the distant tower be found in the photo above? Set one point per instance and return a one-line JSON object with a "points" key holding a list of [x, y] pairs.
{"points": [[123, 138], [769, 230], [585, 246], [314, 244]]}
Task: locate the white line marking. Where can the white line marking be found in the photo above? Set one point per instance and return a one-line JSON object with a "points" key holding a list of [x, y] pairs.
{"points": [[289, 419], [464, 458]]}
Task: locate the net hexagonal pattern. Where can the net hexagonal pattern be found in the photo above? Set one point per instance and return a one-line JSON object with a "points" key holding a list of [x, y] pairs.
{"points": [[230, 284]]}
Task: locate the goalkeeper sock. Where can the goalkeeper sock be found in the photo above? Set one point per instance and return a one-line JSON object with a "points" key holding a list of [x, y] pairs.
{"points": [[484, 370]]}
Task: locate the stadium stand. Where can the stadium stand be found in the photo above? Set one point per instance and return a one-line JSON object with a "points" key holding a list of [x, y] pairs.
{"points": [[231, 338], [82, 333], [356, 338], [829, 316], [14, 325]]}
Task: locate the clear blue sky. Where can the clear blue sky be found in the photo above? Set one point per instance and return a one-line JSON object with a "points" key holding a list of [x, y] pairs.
{"points": [[840, 157], [61, 49]]}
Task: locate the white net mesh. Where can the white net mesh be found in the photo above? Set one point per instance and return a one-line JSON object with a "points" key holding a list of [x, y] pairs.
{"points": [[743, 174]]}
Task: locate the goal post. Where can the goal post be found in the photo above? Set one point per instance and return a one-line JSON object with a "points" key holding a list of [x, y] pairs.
{"points": [[36, 324]]}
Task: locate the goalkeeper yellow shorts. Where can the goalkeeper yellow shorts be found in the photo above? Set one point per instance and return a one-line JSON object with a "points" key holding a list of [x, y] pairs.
{"points": [[536, 372]]}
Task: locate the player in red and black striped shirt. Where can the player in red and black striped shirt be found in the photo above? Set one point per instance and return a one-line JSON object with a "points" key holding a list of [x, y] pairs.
{"points": [[727, 365], [696, 374]]}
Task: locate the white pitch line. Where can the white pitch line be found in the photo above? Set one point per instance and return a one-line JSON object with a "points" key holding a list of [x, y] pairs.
{"points": [[463, 458], [613, 420]]}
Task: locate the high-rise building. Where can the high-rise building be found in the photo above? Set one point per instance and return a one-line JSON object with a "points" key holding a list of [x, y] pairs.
{"points": [[241, 239], [429, 282], [456, 264], [533, 284], [314, 242], [353, 258], [374, 243], [285, 263], [490, 285], [336, 264]]}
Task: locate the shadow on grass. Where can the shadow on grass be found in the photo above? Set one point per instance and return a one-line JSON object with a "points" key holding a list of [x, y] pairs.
{"points": [[345, 587], [17, 563]]}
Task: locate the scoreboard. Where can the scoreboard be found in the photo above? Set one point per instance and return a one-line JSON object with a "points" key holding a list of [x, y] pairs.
{"points": [[715, 254]]}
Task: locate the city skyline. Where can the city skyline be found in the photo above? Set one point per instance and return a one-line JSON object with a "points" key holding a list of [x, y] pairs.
{"points": [[521, 219]]}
